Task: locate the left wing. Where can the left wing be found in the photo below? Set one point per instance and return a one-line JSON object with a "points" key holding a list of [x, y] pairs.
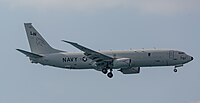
{"points": [[99, 58]]}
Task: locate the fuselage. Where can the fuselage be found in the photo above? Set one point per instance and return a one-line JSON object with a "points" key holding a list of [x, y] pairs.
{"points": [[139, 58]]}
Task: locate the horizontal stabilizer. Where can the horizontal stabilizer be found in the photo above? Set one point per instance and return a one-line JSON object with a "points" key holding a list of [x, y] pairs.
{"points": [[29, 54]]}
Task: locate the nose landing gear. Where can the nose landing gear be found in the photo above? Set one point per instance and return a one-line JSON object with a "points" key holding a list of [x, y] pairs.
{"points": [[176, 66], [175, 70]]}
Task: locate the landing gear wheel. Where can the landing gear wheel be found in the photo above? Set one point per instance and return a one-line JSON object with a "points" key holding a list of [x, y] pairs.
{"points": [[105, 71], [175, 70], [110, 75]]}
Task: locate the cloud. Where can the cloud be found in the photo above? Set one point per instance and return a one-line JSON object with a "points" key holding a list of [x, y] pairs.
{"points": [[143, 6]]}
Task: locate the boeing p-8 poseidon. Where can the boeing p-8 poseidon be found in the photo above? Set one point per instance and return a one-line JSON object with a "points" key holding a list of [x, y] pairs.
{"points": [[127, 62]]}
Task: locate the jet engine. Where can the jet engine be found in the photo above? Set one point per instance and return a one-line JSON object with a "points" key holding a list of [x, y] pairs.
{"points": [[122, 63], [132, 70]]}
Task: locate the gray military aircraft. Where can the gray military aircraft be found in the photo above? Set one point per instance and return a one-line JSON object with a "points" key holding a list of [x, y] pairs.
{"points": [[127, 62]]}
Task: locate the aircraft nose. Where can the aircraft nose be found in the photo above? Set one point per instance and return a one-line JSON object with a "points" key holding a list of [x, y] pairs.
{"points": [[191, 58]]}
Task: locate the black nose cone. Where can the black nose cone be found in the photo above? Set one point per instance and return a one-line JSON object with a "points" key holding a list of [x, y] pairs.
{"points": [[192, 58]]}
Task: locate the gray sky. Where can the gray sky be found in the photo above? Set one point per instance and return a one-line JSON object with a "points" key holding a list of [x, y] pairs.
{"points": [[101, 25]]}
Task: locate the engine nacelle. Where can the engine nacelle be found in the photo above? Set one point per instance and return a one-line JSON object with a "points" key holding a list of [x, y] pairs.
{"points": [[132, 70], [122, 63]]}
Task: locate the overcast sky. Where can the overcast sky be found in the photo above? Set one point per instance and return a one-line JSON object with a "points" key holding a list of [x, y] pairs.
{"points": [[100, 25]]}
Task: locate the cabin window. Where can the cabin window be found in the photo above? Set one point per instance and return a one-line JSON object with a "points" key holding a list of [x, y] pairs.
{"points": [[149, 54]]}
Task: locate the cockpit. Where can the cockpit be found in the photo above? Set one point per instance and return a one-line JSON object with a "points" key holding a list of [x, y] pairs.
{"points": [[184, 56]]}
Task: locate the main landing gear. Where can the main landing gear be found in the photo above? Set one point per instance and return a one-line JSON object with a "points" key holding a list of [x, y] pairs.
{"points": [[105, 71], [110, 74]]}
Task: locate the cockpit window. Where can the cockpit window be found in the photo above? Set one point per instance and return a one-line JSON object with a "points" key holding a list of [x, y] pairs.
{"points": [[181, 53]]}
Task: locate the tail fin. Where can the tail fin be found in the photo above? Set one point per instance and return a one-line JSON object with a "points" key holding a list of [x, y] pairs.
{"points": [[37, 43]]}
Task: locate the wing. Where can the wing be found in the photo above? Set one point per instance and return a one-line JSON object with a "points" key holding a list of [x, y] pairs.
{"points": [[99, 58]]}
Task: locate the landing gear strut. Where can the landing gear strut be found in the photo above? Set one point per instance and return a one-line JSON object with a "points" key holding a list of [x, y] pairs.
{"points": [[176, 66]]}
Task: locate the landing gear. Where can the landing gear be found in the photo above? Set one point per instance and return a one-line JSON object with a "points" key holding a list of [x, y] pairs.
{"points": [[105, 71], [175, 70], [110, 74], [176, 66]]}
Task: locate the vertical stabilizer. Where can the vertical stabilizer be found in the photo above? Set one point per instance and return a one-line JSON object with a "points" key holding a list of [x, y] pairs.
{"points": [[37, 43]]}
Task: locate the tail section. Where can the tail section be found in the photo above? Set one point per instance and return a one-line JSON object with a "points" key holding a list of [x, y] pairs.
{"points": [[37, 43]]}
